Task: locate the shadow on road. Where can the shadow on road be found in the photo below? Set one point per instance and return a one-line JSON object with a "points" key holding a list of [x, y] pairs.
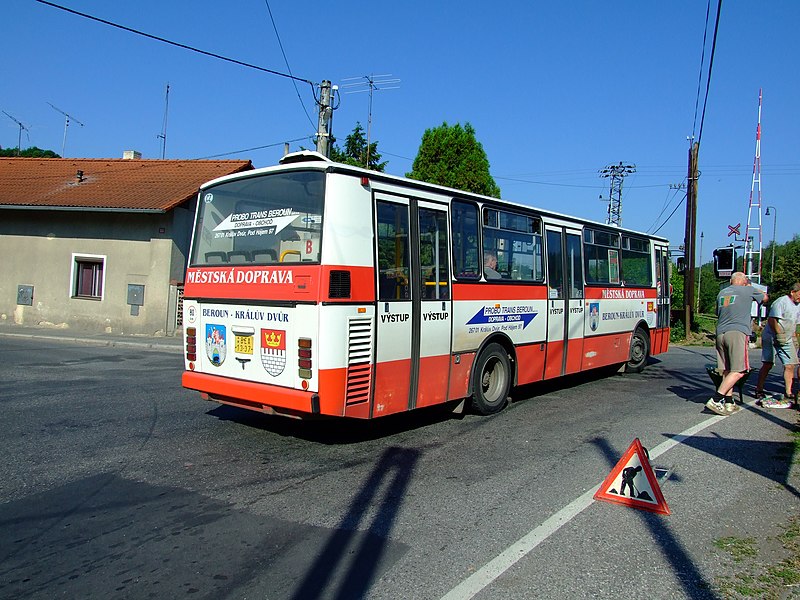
{"points": [[336, 430], [771, 460], [694, 584], [392, 472]]}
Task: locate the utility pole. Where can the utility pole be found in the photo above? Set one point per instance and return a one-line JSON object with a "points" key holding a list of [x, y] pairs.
{"points": [[690, 235], [617, 174], [699, 275], [324, 137]]}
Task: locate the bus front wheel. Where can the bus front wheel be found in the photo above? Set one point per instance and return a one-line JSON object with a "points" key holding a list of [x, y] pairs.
{"points": [[640, 350], [491, 380]]}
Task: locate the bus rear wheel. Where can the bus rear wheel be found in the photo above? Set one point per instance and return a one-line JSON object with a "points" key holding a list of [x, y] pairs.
{"points": [[640, 350], [491, 380]]}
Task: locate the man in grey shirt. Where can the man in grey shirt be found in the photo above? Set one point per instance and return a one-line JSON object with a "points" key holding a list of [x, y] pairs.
{"points": [[733, 337]]}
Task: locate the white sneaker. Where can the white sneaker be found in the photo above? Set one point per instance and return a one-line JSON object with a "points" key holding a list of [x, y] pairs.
{"points": [[716, 407]]}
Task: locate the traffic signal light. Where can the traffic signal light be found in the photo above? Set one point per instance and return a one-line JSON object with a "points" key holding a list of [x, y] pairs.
{"points": [[724, 261]]}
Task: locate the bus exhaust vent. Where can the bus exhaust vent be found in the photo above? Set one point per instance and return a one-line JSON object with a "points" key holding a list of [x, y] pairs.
{"points": [[359, 360], [339, 284]]}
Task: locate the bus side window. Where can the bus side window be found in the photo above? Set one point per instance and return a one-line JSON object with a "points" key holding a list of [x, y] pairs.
{"points": [[464, 222], [435, 284], [393, 252]]}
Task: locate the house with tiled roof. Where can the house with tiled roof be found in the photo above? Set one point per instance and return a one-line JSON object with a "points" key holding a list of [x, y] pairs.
{"points": [[98, 245]]}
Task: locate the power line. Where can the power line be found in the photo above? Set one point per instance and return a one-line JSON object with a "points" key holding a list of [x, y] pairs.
{"points": [[710, 67], [177, 44], [670, 216], [251, 149], [675, 189], [286, 60], [700, 72]]}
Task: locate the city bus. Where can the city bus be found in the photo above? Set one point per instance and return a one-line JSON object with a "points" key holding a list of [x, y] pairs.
{"points": [[321, 289]]}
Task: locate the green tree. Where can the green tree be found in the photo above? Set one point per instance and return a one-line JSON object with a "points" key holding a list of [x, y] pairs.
{"points": [[32, 152], [452, 156], [355, 151], [787, 268], [708, 285]]}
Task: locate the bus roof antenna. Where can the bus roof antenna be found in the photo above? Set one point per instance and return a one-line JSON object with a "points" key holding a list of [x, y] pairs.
{"points": [[21, 127], [66, 126]]}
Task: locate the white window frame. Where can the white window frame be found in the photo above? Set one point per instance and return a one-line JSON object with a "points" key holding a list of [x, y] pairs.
{"points": [[81, 257]]}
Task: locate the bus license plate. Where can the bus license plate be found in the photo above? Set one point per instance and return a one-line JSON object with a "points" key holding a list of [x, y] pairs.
{"points": [[244, 344]]}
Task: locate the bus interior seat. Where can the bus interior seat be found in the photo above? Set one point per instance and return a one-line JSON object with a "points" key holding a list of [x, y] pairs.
{"points": [[215, 258], [239, 256], [265, 255]]}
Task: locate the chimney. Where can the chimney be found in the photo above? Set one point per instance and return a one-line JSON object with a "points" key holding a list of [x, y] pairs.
{"points": [[131, 155]]}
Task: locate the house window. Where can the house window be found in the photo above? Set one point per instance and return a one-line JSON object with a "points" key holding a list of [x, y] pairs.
{"points": [[88, 276]]}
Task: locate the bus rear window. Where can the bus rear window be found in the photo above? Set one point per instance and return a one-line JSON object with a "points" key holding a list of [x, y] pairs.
{"points": [[260, 220]]}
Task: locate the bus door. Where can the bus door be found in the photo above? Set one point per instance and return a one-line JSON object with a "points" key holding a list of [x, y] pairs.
{"points": [[413, 325], [565, 307], [661, 343]]}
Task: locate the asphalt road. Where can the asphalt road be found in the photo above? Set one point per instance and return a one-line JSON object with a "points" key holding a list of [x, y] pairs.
{"points": [[117, 483]]}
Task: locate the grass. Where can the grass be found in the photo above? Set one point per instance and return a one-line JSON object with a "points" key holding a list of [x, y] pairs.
{"points": [[738, 548]]}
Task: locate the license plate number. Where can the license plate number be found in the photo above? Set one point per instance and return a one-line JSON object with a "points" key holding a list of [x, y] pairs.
{"points": [[244, 344]]}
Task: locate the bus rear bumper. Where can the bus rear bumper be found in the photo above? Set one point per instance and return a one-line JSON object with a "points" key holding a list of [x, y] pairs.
{"points": [[253, 396]]}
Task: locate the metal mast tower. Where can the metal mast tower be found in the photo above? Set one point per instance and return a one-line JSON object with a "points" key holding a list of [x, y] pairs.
{"points": [[617, 173], [752, 235]]}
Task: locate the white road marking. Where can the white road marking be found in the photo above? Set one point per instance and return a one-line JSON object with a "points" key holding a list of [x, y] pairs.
{"points": [[522, 547]]}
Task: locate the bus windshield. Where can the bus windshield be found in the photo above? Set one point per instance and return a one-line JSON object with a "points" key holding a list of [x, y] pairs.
{"points": [[261, 220]]}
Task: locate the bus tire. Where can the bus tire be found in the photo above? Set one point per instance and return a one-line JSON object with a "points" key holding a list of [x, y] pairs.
{"points": [[491, 380], [640, 350]]}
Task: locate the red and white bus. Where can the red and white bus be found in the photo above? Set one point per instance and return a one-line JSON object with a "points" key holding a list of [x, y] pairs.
{"points": [[317, 288]]}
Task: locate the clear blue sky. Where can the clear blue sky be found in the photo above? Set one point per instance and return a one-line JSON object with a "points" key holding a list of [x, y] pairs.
{"points": [[554, 90]]}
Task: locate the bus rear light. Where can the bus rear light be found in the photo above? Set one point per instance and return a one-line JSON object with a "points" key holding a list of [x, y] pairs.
{"points": [[304, 357], [191, 344]]}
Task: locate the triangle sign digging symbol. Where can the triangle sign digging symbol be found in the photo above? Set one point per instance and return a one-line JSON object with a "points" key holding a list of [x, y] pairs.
{"points": [[633, 483]]}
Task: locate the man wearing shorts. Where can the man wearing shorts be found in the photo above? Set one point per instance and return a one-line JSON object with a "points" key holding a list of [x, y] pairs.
{"points": [[733, 339], [778, 338]]}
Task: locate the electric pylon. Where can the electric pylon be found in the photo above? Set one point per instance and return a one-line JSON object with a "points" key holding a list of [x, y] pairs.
{"points": [[752, 235], [617, 173]]}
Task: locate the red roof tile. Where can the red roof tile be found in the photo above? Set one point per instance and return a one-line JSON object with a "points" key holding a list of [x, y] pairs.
{"points": [[159, 185]]}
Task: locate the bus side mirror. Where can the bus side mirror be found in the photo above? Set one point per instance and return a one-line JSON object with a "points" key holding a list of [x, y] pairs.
{"points": [[680, 264], [724, 262]]}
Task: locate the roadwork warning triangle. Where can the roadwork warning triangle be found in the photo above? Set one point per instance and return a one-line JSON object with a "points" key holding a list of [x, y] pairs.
{"points": [[634, 475]]}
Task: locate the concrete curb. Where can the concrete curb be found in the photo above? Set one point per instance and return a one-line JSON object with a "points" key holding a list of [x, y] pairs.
{"points": [[161, 347]]}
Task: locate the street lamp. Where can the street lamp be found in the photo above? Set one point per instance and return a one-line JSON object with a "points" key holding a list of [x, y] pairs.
{"points": [[774, 222]]}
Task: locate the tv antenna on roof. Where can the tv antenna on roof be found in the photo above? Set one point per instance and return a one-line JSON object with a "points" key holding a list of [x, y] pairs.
{"points": [[163, 134], [373, 83], [21, 127], [66, 126]]}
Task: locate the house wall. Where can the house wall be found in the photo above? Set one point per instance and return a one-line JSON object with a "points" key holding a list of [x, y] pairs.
{"points": [[145, 249]]}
